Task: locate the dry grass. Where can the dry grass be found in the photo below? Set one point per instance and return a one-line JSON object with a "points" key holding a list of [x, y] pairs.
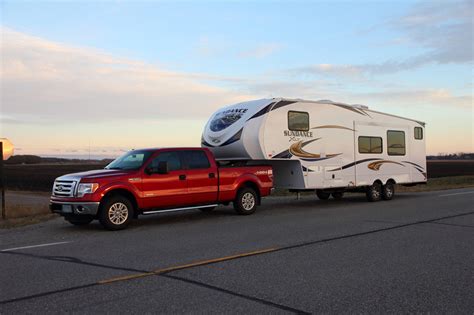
{"points": [[442, 183], [15, 211], [17, 222]]}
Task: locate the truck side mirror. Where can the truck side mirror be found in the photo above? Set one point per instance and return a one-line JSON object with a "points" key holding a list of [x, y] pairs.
{"points": [[163, 167]]}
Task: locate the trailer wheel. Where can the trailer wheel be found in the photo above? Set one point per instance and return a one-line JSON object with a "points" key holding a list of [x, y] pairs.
{"points": [[79, 220], [246, 201], [374, 192], [388, 190], [116, 213], [322, 195], [338, 195]]}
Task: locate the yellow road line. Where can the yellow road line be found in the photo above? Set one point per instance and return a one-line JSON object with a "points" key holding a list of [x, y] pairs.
{"points": [[180, 267], [128, 277], [210, 261]]}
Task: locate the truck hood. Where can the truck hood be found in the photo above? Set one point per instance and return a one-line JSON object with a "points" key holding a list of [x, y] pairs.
{"points": [[94, 174]]}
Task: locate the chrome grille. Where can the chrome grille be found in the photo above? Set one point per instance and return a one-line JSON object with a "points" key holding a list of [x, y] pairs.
{"points": [[64, 188]]}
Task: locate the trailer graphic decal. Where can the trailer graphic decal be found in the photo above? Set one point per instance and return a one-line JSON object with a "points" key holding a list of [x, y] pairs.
{"points": [[356, 110], [296, 149], [282, 103], [377, 163], [375, 166], [333, 127], [263, 111], [353, 164]]}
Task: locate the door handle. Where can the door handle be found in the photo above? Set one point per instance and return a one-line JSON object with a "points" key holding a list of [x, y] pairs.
{"points": [[182, 177], [212, 175]]}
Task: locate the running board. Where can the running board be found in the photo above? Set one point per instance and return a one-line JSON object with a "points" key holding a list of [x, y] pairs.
{"points": [[179, 209]]}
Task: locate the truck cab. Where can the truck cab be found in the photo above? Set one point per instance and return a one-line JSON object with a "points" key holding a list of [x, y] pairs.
{"points": [[157, 180]]}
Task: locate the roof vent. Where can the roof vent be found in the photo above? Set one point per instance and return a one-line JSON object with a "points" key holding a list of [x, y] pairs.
{"points": [[360, 106]]}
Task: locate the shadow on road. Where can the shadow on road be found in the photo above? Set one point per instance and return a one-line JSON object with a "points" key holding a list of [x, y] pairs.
{"points": [[270, 206]]}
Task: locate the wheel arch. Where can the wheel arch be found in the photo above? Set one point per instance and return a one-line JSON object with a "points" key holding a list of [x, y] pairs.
{"points": [[253, 185], [121, 192], [378, 181]]}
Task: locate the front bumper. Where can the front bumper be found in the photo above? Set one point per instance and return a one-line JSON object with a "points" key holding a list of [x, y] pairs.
{"points": [[74, 208]]}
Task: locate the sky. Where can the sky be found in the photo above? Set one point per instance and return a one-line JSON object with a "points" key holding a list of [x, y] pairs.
{"points": [[100, 78]]}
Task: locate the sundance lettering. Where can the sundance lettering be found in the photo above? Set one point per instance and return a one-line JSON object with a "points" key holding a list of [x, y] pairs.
{"points": [[290, 133]]}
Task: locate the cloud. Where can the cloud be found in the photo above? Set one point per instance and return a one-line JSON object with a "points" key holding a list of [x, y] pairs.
{"points": [[53, 82], [261, 51], [443, 29]]}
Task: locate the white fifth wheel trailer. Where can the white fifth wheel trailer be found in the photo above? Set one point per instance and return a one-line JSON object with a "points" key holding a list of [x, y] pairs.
{"points": [[322, 145]]}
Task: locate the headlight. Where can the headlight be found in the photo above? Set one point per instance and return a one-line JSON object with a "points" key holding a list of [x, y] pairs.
{"points": [[88, 188]]}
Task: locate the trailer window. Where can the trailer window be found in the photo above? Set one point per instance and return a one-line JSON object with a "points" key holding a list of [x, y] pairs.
{"points": [[224, 119], [418, 133], [396, 142], [196, 159], [370, 145], [298, 121]]}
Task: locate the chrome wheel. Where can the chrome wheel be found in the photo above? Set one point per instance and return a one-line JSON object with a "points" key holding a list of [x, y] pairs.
{"points": [[248, 201], [118, 213], [388, 192], [375, 194]]}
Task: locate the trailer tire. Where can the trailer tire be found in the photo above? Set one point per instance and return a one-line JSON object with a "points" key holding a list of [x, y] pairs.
{"points": [[79, 220], [337, 195], [246, 201], [374, 192], [116, 212], [388, 191], [322, 195]]}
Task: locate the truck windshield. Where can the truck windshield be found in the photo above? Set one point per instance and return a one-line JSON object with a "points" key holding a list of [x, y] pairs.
{"points": [[132, 160]]}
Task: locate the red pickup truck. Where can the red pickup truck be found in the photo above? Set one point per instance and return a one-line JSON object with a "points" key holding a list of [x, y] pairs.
{"points": [[158, 180]]}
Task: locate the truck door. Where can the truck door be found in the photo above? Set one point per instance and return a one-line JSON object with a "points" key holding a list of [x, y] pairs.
{"points": [[165, 190], [201, 177]]}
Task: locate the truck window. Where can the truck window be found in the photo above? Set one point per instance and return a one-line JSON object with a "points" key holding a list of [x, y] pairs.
{"points": [[174, 162], [298, 121], [396, 142], [196, 159], [370, 145], [418, 133], [131, 160]]}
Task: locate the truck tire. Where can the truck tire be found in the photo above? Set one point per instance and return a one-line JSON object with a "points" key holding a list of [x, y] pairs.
{"points": [[337, 195], [115, 213], [388, 190], [322, 195], [246, 201], [79, 220], [374, 192]]}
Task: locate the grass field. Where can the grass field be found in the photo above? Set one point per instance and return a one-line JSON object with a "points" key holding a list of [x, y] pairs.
{"points": [[449, 168], [40, 177]]}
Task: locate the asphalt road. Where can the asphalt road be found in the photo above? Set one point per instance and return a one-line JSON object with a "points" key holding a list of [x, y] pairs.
{"points": [[412, 254]]}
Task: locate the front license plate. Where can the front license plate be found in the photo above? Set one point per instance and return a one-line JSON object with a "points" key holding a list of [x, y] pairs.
{"points": [[66, 209]]}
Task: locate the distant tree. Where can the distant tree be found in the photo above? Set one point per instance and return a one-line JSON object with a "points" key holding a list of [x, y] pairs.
{"points": [[23, 159]]}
